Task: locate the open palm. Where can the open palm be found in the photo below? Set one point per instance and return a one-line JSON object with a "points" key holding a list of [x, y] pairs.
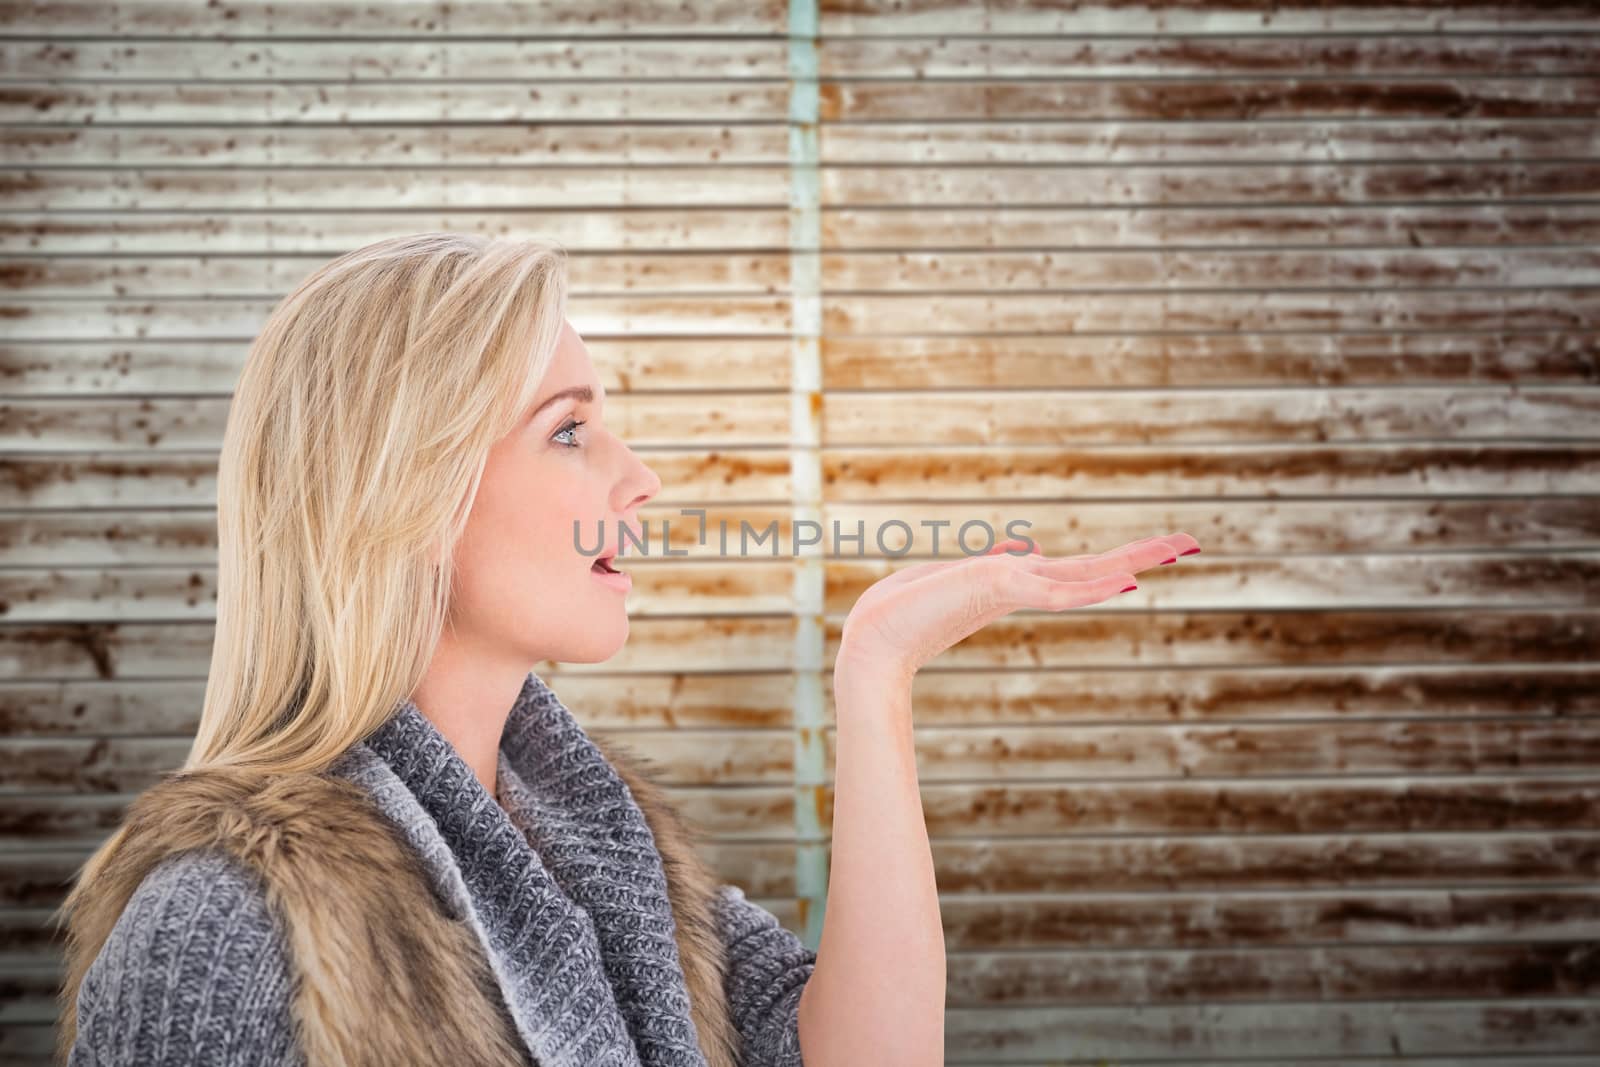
{"points": [[906, 619]]}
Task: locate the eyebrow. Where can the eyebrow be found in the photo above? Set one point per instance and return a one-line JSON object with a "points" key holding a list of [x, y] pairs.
{"points": [[582, 392]]}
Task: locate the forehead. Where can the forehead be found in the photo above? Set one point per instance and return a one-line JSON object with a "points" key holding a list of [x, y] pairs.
{"points": [[569, 366]]}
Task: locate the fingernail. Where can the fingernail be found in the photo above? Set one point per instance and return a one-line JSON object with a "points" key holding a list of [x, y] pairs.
{"points": [[1130, 589], [1164, 562], [1188, 552]]}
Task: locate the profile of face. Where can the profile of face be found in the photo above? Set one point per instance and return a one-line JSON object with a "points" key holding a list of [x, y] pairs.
{"points": [[523, 591]]}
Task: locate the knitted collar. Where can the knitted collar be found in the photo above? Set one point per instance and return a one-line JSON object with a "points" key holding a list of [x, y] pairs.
{"points": [[570, 899]]}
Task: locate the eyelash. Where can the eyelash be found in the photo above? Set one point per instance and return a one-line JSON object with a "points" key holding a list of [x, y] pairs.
{"points": [[571, 425]]}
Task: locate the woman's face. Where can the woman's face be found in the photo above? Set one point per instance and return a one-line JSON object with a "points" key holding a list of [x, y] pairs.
{"points": [[523, 591]]}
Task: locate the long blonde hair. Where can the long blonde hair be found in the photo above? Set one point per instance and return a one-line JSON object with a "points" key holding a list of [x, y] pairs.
{"points": [[355, 444]]}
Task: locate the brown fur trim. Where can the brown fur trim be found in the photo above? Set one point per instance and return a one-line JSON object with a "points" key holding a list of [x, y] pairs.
{"points": [[336, 873]]}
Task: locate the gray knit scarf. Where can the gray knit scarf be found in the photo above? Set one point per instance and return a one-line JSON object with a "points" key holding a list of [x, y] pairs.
{"points": [[580, 932]]}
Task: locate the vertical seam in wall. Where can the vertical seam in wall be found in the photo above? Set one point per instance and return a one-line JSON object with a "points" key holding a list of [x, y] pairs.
{"points": [[805, 463]]}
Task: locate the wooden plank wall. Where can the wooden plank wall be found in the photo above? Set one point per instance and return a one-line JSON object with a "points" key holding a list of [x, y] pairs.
{"points": [[1317, 283]]}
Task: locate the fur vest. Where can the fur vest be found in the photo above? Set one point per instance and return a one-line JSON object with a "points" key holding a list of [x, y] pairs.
{"points": [[335, 871]]}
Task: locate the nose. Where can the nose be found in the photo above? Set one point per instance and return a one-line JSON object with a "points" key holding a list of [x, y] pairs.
{"points": [[641, 486]]}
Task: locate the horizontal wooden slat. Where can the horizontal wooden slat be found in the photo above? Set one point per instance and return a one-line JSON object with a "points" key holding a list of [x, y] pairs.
{"points": [[1138, 920], [944, 142], [620, 703], [339, 189], [708, 583], [1379, 540], [1000, 417], [1445, 528], [429, 19], [1216, 976], [260, 277], [440, 58], [62, 651], [1418, 749], [165, 537], [338, 18], [1476, 1029], [867, 18], [723, 476], [604, 229], [443, 58], [601, 229], [1017, 311], [1421, 581], [1239, 919], [1100, 270], [1202, 99], [1333, 973], [895, 418], [112, 479], [227, 316], [1331, 223], [186, 424], [1136, 52], [1275, 638], [1469, 803], [111, 368], [516, 100], [1174, 361], [1199, 861], [941, 698], [1222, 863], [884, 186], [1042, 140], [402, 101], [436, 189], [502, 144], [130, 764], [1098, 753], [1013, 311], [1127, 637], [1393, 805], [1219, 470]]}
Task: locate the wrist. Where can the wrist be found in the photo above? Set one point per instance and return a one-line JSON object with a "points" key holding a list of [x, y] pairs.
{"points": [[881, 676]]}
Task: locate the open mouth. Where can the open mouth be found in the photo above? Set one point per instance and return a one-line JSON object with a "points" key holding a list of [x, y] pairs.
{"points": [[604, 566]]}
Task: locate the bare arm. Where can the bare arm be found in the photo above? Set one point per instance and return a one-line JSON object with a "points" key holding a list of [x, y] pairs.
{"points": [[877, 993]]}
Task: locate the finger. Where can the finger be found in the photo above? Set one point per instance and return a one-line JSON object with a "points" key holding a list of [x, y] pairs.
{"points": [[1135, 556], [917, 573], [1032, 590]]}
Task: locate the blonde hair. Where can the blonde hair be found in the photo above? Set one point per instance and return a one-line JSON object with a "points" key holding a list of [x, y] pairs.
{"points": [[355, 443]]}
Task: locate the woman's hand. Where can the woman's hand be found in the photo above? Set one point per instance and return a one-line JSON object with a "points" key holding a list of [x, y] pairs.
{"points": [[903, 621]]}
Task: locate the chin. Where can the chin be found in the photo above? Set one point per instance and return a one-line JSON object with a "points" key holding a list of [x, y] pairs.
{"points": [[594, 645]]}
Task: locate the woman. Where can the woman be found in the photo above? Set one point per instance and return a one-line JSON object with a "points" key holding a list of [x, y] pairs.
{"points": [[391, 842]]}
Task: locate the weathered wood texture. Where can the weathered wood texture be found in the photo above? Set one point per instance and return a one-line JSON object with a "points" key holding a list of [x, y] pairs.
{"points": [[1318, 283]]}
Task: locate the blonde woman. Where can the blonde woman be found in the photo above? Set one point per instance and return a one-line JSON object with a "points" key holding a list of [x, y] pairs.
{"points": [[391, 842]]}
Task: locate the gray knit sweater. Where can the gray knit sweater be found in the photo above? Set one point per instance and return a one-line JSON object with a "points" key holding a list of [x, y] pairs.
{"points": [[563, 886]]}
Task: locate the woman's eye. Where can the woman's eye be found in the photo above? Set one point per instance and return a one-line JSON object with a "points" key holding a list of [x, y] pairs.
{"points": [[570, 427]]}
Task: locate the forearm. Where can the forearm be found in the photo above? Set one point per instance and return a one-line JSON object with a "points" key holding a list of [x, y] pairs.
{"points": [[877, 994]]}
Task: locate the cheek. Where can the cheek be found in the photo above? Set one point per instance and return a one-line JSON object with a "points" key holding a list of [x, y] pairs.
{"points": [[521, 527]]}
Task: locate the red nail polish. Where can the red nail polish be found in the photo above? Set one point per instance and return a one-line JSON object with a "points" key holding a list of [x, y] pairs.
{"points": [[1164, 562], [1130, 589], [1188, 552]]}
